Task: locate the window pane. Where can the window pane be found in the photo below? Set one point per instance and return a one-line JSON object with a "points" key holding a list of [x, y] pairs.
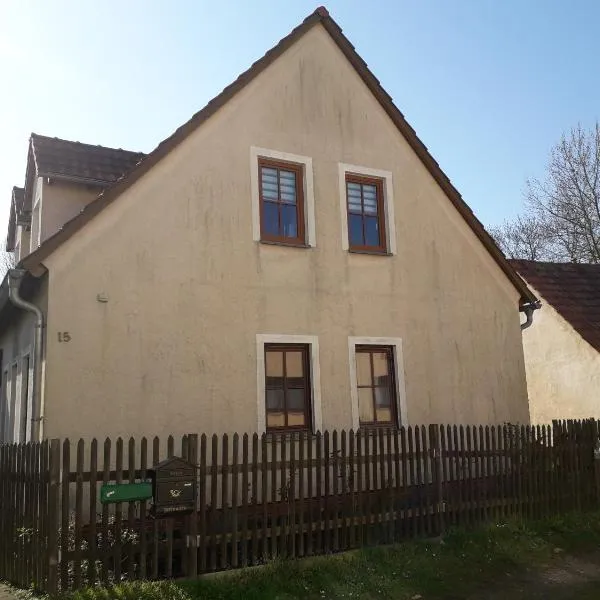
{"points": [[296, 419], [370, 199], [363, 369], [371, 231], [355, 235], [271, 218], [380, 364], [269, 183], [384, 415], [287, 181], [294, 364], [274, 363], [295, 400], [275, 419], [354, 201], [274, 400], [382, 397], [365, 405], [289, 221]]}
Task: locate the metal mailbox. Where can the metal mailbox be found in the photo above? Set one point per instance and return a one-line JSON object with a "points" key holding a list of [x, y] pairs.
{"points": [[174, 487]]}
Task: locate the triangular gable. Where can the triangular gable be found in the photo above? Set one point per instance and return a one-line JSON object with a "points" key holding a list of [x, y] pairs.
{"points": [[320, 15]]}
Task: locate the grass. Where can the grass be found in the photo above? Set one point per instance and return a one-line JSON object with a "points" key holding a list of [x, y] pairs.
{"points": [[462, 563]]}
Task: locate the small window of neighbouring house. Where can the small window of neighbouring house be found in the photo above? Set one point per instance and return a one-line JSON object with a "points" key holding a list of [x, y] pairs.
{"points": [[366, 217], [287, 386], [377, 403], [281, 202]]}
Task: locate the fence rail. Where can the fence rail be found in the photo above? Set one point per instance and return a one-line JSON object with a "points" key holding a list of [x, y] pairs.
{"points": [[277, 495]]}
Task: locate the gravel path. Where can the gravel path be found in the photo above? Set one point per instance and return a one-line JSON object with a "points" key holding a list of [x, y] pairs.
{"points": [[6, 594]]}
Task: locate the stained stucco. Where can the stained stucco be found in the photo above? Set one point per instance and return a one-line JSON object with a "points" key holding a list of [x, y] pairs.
{"points": [[174, 347]]}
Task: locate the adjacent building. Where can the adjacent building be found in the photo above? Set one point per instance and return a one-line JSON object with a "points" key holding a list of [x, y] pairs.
{"points": [[562, 350]]}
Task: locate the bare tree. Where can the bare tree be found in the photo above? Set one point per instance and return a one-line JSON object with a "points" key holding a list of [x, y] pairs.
{"points": [[562, 219], [524, 237], [7, 261]]}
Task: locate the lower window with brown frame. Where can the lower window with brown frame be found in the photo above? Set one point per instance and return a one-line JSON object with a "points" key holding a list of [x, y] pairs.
{"points": [[377, 403], [287, 386]]}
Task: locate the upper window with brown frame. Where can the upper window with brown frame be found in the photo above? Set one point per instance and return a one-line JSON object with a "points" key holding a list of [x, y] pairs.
{"points": [[287, 386], [366, 214], [281, 202], [377, 403]]}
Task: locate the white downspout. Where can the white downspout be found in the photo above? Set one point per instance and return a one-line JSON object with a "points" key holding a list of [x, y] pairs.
{"points": [[15, 276]]}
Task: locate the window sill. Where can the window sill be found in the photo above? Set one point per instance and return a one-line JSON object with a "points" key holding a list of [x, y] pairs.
{"points": [[371, 252], [284, 244]]}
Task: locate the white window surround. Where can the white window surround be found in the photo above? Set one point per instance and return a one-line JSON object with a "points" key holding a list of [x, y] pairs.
{"points": [[396, 344], [315, 375], [309, 193], [388, 202]]}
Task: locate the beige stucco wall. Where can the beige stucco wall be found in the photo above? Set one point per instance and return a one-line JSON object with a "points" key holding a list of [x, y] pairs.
{"points": [[174, 348], [61, 202], [563, 370]]}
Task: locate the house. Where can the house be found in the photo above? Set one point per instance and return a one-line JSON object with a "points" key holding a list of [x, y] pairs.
{"points": [[292, 257], [562, 351]]}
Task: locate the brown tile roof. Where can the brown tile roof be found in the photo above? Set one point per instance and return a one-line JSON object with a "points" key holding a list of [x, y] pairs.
{"points": [[96, 165], [572, 289], [319, 16]]}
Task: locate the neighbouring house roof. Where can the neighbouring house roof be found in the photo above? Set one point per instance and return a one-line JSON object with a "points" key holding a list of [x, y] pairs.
{"points": [[16, 205], [572, 289], [18, 195], [83, 163], [319, 16]]}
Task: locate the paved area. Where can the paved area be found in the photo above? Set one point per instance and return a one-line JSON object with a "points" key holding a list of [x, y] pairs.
{"points": [[6, 594], [569, 578]]}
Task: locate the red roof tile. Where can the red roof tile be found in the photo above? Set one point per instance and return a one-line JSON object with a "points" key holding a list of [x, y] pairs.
{"points": [[572, 289]]}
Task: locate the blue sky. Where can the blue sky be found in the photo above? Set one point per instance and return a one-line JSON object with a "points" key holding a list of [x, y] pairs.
{"points": [[488, 85]]}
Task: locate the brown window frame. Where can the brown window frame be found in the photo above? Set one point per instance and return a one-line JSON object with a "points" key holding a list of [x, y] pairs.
{"points": [[298, 169], [308, 396], [391, 359], [381, 248]]}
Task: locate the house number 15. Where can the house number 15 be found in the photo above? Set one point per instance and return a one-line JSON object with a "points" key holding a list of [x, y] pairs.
{"points": [[64, 336]]}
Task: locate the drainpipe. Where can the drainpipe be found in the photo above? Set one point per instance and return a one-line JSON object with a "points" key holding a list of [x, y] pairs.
{"points": [[15, 276], [528, 310]]}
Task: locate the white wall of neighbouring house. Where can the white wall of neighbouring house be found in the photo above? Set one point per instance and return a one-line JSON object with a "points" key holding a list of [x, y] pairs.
{"points": [[563, 370]]}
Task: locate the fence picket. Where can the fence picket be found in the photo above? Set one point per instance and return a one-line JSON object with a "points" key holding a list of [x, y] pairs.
{"points": [[254, 498], [155, 525], [202, 499], [213, 523], [335, 480], [143, 508], [245, 491], [301, 492], [225, 512]]}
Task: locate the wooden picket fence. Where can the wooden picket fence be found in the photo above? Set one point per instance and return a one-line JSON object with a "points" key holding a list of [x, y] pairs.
{"points": [[270, 496]]}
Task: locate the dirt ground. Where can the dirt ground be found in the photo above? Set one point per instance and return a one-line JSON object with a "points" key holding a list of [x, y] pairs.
{"points": [[566, 578]]}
